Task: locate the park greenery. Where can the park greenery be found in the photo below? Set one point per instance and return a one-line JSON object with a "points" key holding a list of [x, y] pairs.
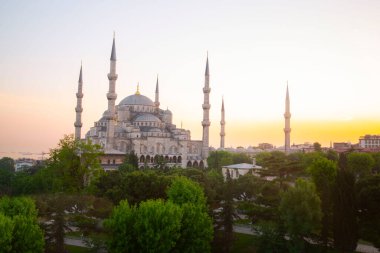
{"points": [[299, 202]]}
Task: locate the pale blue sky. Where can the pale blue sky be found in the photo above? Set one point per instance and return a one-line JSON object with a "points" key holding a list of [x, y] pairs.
{"points": [[328, 50]]}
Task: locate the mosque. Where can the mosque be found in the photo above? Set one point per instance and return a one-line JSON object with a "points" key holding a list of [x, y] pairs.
{"points": [[138, 124]]}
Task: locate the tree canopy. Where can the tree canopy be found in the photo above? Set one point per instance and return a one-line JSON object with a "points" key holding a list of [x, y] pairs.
{"points": [[18, 218], [301, 212]]}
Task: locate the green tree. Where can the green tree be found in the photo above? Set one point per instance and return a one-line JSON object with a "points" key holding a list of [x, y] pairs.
{"points": [[227, 214], [301, 213], [211, 180], [158, 225], [74, 163], [18, 206], [121, 228], [130, 162], [317, 147], [275, 165], [332, 155], [368, 196], [7, 163], [241, 158], [344, 212], [136, 186], [6, 175], [217, 159], [183, 190], [6, 228], [271, 239], [196, 229], [360, 163], [26, 235], [53, 208], [140, 186], [323, 173], [152, 227]]}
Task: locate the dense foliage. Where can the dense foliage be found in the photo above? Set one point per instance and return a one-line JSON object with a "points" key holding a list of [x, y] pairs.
{"points": [[334, 205], [19, 228], [180, 224]]}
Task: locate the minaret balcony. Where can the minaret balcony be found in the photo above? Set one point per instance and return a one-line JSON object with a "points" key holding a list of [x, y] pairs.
{"points": [[78, 109], [206, 106], [79, 95], [206, 123], [111, 96], [206, 90], [287, 115], [78, 124], [112, 77]]}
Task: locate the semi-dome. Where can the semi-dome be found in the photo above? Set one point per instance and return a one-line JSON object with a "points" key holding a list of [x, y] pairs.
{"points": [[137, 99], [167, 111], [147, 118]]}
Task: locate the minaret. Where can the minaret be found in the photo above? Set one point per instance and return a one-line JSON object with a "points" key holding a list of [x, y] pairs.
{"points": [[111, 96], [157, 96], [206, 109], [79, 109], [287, 116], [222, 124]]}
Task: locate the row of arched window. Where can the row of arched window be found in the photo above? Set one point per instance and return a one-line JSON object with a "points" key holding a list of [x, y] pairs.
{"points": [[195, 164], [157, 158]]}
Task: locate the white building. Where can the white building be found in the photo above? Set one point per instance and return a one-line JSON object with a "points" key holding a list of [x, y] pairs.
{"points": [[369, 141], [24, 163], [237, 170], [138, 124]]}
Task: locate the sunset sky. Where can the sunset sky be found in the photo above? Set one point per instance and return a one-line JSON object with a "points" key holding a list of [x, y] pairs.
{"points": [[328, 51]]}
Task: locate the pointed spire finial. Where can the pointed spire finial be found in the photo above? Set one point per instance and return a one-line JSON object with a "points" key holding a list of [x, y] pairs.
{"points": [[287, 90], [113, 52], [80, 73], [138, 89], [223, 103], [157, 84], [207, 71]]}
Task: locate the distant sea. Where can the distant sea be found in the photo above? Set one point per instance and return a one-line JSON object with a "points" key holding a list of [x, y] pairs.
{"points": [[17, 155]]}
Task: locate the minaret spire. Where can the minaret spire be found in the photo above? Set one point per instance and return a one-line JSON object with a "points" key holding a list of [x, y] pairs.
{"points": [[222, 125], [111, 96], [78, 108], [287, 116], [206, 110], [157, 95]]}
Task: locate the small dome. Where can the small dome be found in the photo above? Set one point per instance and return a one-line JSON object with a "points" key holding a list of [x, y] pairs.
{"points": [[136, 99], [147, 118], [104, 116]]}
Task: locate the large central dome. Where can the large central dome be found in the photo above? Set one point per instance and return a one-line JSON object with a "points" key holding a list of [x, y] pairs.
{"points": [[137, 99]]}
